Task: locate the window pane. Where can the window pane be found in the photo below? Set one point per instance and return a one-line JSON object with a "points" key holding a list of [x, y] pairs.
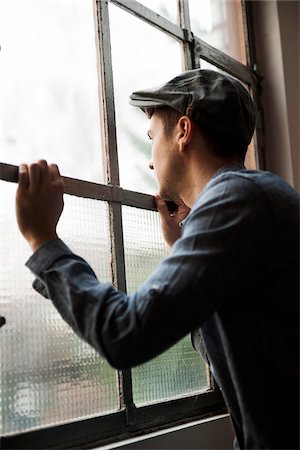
{"points": [[167, 9], [220, 23], [142, 57], [251, 159], [179, 371], [49, 375], [50, 85]]}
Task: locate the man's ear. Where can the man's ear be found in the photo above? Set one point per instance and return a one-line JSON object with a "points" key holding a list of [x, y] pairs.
{"points": [[184, 132]]}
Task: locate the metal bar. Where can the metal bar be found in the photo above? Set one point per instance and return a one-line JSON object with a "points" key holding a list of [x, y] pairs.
{"points": [[249, 37], [8, 172], [88, 189], [172, 411], [256, 88], [112, 165], [119, 281], [126, 394], [188, 55], [246, 35], [184, 14], [224, 61], [152, 18], [107, 94], [117, 247]]}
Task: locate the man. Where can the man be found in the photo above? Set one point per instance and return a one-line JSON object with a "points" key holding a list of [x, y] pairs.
{"points": [[232, 275]]}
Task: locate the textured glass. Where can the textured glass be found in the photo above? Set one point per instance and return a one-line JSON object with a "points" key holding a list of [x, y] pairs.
{"points": [[220, 24], [49, 375], [179, 371], [167, 9], [50, 106], [142, 57]]}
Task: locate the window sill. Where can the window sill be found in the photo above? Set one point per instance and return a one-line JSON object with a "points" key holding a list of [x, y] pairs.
{"points": [[210, 433]]}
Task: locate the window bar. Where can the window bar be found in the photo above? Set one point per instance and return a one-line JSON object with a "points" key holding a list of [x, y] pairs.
{"points": [[106, 94], [187, 45], [251, 56], [112, 172], [152, 18], [224, 61], [88, 189]]}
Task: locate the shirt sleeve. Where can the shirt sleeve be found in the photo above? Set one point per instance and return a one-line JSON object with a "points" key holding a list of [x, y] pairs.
{"points": [[206, 268]]}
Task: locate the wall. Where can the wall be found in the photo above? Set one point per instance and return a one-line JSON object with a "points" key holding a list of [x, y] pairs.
{"points": [[276, 27], [288, 15]]}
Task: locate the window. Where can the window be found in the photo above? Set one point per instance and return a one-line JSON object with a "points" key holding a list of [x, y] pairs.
{"points": [[69, 67]]}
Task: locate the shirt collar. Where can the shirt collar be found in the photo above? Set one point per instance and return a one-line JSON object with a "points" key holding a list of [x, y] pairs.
{"points": [[222, 169]]}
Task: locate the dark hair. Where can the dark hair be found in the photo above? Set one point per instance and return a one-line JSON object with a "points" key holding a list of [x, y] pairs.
{"points": [[169, 116], [221, 144]]}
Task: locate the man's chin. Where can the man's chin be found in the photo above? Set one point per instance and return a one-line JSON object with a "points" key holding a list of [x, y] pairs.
{"points": [[169, 196]]}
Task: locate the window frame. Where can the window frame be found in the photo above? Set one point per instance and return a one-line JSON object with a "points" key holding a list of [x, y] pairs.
{"points": [[130, 420]]}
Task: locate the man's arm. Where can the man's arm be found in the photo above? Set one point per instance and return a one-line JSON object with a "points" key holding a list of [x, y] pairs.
{"points": [[203, 270]]}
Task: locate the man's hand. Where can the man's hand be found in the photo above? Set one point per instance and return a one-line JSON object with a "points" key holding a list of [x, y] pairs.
{"points": [[170, 222], [39, 202]]}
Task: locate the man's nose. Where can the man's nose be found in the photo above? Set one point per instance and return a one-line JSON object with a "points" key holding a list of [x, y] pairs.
{"points": [[151, 165]]}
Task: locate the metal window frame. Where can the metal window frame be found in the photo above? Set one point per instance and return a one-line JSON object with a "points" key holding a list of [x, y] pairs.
{"points": [[131, 420]]}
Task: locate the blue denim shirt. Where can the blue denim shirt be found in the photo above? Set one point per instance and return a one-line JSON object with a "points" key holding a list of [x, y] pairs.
{"points": [[231, 280]]}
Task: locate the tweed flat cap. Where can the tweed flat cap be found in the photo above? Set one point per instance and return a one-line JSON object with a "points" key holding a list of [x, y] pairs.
{"points": [[207, 97]]}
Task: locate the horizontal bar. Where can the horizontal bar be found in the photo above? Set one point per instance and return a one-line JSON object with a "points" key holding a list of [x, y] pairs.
{"points": [[8, 172], [223, 61], [113, 427], [177, 410], [74, 435], [88, 189], [153, 18]]}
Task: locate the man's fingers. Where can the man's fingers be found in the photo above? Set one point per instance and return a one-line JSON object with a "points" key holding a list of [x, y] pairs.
{"points": [[34, 176], [179, 202], [23, 177], [162, 207], [43, 167], [54, 172], [55, 175]]}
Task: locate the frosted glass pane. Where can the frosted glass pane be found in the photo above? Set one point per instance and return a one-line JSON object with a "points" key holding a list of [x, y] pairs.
{"points": [[49, 84], [49, 375], [220, 23], [142, 57], [179, 371], [165, 8]]}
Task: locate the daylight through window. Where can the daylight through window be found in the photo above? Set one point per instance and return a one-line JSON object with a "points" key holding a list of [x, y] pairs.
{"points": [[68, 68]]}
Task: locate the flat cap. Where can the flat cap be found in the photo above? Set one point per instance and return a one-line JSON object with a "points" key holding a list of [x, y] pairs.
{"points": [[208, 97]]}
